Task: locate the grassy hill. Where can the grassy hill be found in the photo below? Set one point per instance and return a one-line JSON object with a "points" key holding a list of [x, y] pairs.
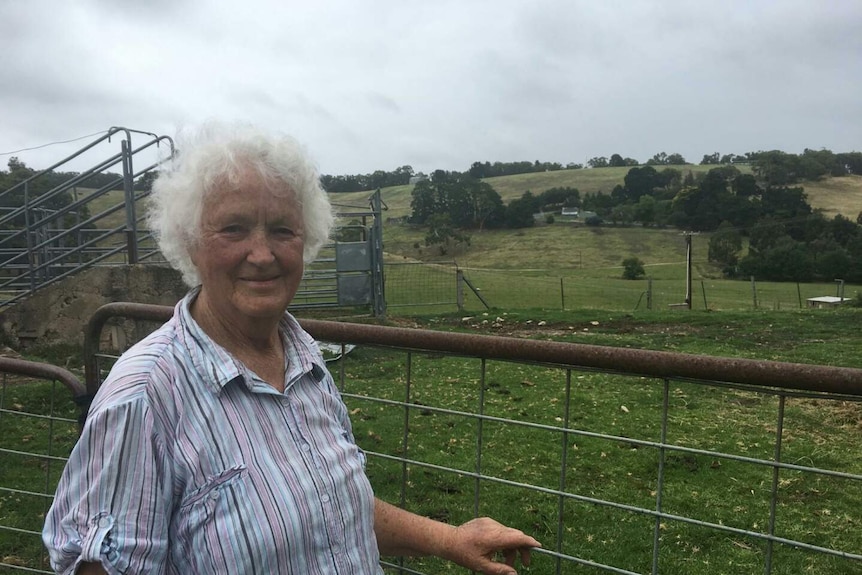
{"points": [[562, 247], [832, 195]]}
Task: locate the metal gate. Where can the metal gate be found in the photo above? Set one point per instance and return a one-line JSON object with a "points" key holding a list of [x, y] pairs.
{"points": [[52, 228]]}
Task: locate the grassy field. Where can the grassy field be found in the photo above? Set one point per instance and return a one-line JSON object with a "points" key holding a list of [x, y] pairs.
{"points": [[823, 433]]}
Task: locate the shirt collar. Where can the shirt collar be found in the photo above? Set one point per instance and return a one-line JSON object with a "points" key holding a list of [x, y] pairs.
{"points": [[217, 367]]}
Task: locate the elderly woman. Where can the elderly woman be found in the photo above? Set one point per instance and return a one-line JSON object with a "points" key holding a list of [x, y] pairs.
{"points": [[220, 444]]}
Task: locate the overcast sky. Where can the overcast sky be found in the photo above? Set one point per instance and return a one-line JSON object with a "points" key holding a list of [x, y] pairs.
{"points": [[434, 84]]}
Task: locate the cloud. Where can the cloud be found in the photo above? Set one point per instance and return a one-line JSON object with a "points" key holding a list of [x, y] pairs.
{"points": [[379, 84]]}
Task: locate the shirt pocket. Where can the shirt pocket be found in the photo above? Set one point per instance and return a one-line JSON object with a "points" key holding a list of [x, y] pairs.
{"points": [[200, 506]]}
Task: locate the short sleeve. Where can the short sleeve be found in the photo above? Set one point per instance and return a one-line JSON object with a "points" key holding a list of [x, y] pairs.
{"points": [[112, 504]]}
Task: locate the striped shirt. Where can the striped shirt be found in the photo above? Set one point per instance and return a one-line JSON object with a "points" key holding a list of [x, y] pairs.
{"points": [[190, 463]]}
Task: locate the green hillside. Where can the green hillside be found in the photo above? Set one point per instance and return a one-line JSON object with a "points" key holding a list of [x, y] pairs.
{"points": [[832, 195], [562, 248]]}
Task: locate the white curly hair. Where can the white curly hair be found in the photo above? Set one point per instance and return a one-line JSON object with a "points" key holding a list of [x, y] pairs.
{"points": [[217, 154]]}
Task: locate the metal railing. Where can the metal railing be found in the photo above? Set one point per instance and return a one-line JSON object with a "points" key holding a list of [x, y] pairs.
{"points": [[50, 235], [595, 450]]}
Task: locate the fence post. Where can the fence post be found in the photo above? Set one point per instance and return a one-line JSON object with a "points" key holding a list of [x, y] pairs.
{"points": [[378, 281], [459, 288], [562, 296], [649, 293], [754, 291]]}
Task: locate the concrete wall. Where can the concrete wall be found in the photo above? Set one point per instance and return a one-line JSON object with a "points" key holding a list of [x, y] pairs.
{"points": [[59, 313]]}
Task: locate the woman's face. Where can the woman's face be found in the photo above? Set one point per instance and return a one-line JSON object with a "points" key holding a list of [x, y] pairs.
{"points": [[250, 253]]}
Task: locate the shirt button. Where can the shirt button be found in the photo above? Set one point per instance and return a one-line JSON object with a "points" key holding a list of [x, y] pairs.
{"points": [[214, 494], [306, 447], [324, 498], [105, 522]]}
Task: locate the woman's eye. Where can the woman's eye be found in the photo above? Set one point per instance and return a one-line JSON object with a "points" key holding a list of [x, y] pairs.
{"points": [[232, 229], [284, 232]]}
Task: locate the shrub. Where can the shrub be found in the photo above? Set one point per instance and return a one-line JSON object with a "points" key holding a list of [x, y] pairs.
{"points": [[633, 268]]}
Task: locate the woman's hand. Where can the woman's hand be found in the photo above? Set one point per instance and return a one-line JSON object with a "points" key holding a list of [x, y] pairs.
{"points": [[480, 543]]}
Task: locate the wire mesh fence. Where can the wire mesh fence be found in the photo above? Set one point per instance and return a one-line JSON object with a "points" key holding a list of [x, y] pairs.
{"points": [[421, 285], [417, 285], [38, 427], [618, 460]]}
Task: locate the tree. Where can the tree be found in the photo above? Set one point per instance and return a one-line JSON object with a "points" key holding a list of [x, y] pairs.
{"points": [[557, 198], [598, 162], [709, 159], [469, 203], [852, 162], [485, 205], [622, 214], [640, 182], [703, 208], [785, 260], [725, 246], [633, 268], [145, 182], [659, 159], [443, 234], [519, 212], [843, 230], [785, 203], [616, 161], [745, 185], [675, 160], [645, 210], [425, 201], [775, 168]]}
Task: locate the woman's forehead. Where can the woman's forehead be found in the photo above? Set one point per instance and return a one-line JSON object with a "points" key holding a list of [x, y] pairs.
{"points": [[251, 201], [247, 180]]}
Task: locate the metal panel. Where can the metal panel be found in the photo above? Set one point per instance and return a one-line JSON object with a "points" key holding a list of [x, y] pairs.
{"points": [[352, 257], [354, 289]]}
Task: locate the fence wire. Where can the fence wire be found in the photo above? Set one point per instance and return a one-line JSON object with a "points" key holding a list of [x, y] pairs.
{"points": [[38, 427], [435, 286]]}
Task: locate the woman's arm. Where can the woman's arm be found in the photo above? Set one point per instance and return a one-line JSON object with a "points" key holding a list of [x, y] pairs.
{"points": [[474, 544]]}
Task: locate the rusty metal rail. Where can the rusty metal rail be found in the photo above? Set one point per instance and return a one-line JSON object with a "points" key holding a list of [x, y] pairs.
{"points": [[781, 375]]}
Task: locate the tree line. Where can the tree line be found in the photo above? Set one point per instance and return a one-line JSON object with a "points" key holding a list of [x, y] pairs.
{"points": [[787, 239], [774, 167]]}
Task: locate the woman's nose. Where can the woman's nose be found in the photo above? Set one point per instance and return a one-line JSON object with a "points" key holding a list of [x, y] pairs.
{"points": [[260, 250]]}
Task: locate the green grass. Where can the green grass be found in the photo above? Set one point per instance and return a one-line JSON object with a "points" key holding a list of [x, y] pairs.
{"points": [[34, 421], [817, 510]]}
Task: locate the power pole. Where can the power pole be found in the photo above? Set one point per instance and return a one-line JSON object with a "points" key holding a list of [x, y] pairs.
{"points": [[688, 268]]}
